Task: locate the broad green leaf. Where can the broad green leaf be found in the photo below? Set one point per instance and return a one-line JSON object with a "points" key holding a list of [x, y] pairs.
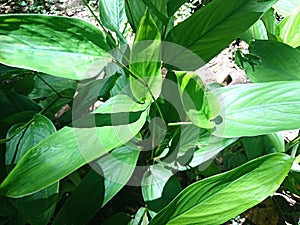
{"points": [[145, 60], [199, 104], [256, 31], [289, 27], [284, 7], [211, 29], [159, 187], [263, 145], [49, 156], [270, 23], [256, 109], [12, 102], [84, 202], [134, 11], [112, 14], [219, 198], [174, 5], [159, 9], [195, 146], [260, 67], [39, 207], [75, 49], [140, 217], [117, 168]]}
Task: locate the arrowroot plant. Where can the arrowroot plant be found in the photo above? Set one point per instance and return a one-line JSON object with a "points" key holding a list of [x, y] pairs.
{"points": [[158, 116]]}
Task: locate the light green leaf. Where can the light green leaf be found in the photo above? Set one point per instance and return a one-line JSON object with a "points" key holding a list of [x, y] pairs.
{"points": [[270, 23], [199, 104], [39, 207], [256, 31], [88, 196], [256, 109], [282, 66], [264, 144], [140, 217], [289, 27], [50, 155], [117, 168], [284, 7], [145, 60], [211, 29], [219, 198], [112, 14], [159, 187], [75, 49]]}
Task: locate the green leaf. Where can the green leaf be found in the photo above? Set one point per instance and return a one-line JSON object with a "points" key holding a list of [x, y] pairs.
{"points": [[256, 109], [263, 145], [159, 187], [270, 23], [145, 60], [256, 31], [219, 198], [84, 202], [140, 217], [174, 5], [75, 49], [284, 7], [289, 28], [211, 29], [282, 66], [112, 14], [200, 106], [39, 207], [49, 156], [117, 168], [135, 10]]}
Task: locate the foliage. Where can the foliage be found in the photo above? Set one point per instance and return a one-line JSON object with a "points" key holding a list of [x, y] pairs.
{"points": [[159, 126]]}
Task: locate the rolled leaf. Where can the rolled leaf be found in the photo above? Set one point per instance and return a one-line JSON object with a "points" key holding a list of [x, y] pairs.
{"points": [[145, 60]]}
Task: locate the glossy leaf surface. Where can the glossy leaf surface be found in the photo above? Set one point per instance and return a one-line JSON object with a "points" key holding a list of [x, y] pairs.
{"points": [[199, 104], [219, 198], [145, 60], [211, 29], [50, 156], [75, 49], [282, 66], [255, 109]]}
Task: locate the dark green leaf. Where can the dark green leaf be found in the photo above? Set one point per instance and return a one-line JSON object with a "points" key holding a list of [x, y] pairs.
{"points": [[112, 14], [211, 29], [219, 198], [84, 202], [174, 5], [282, 66], [255, 109], [49, 156], [159, 187], [263, 145], [74, 49], [117, 168], [39, 207], [269, 21], [118, 218], [134, 10], [199, 104], [145, 60]]}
